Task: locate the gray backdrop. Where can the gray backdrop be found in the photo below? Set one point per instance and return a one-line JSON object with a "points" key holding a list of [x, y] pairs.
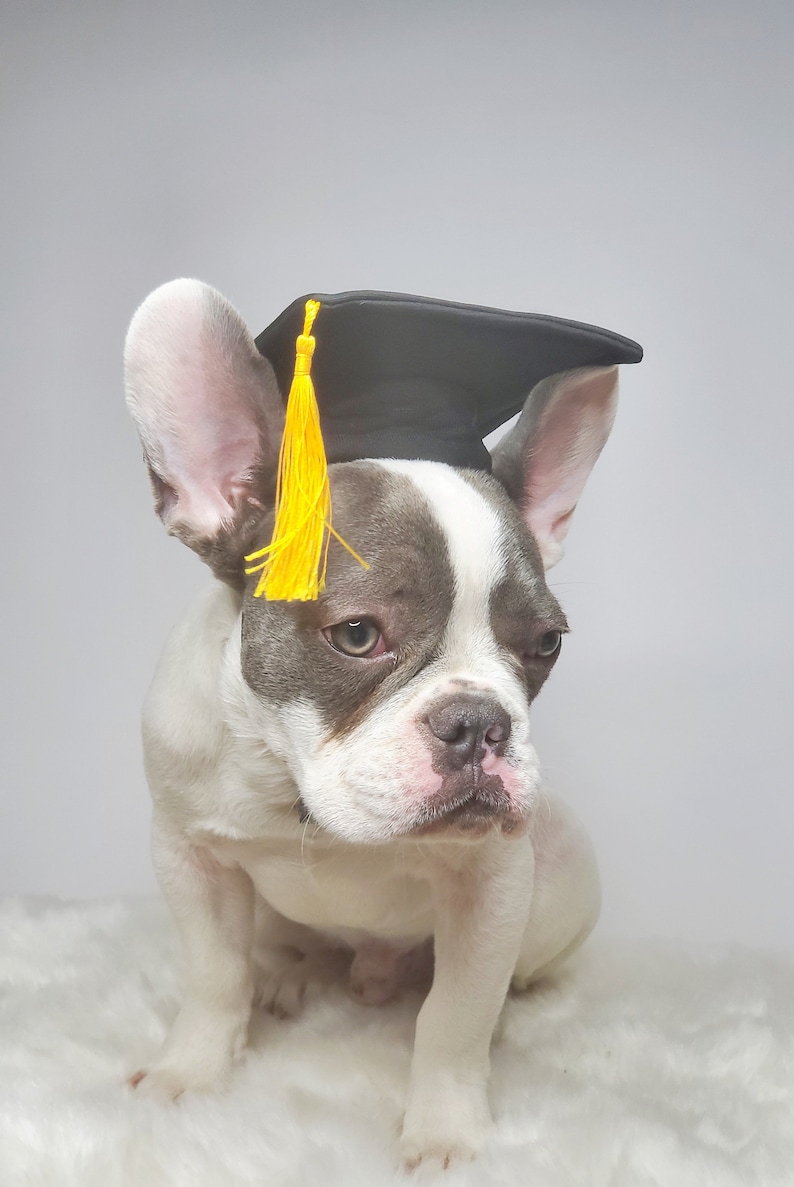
{"points": [[622, 163]]}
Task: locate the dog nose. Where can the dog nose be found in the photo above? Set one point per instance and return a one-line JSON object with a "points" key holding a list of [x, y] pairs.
{"points": [[468, 727]]}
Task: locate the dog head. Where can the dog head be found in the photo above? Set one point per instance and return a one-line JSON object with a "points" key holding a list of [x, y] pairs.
{"points": [[399, 699]]}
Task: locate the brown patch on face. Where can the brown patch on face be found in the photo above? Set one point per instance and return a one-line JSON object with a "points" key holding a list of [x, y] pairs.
{"points": [[408, 590]]}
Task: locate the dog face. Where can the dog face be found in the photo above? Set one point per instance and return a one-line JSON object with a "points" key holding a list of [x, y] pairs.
{"points": [[400, 699]]}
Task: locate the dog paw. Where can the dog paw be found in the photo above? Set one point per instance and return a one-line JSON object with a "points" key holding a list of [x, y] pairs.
{"points": [[159, 1083], [375, 973], [284, 987], [169, 1079], [445, 1128], [373, 991], [199, 1053], [380, 971], [434, 1153]]}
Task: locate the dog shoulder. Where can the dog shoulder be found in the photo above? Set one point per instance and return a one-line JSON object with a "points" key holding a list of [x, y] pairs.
{"points": [[183, 726]]}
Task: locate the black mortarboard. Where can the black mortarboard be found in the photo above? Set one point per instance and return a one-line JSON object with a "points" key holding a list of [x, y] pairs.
{"points": [[386, 375], [399, 376]]}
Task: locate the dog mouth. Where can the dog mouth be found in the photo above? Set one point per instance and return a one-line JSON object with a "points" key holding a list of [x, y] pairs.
{"points": [[479, 804]]}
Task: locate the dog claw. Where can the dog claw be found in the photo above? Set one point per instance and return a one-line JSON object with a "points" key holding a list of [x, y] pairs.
{"points": [[438, 1160], [158, 1084]]}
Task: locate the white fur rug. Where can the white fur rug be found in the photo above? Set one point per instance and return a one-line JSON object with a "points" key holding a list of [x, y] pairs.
{"points": [[646, 1066]]}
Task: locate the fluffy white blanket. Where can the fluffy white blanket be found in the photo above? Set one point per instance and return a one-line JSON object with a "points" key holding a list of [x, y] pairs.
{"points": [[645, 1066]]}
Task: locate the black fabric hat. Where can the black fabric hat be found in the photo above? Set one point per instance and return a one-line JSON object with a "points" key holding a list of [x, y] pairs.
{"points": [[399, 376]]}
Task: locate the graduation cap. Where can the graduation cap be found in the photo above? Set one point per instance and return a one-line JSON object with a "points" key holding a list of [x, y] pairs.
{"points": [[397, 376]]}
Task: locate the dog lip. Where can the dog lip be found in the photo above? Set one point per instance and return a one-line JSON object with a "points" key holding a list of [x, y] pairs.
{"points": [[480, 807]]}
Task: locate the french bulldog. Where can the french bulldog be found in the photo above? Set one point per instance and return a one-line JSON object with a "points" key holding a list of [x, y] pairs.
{"points": [[353, 779]]}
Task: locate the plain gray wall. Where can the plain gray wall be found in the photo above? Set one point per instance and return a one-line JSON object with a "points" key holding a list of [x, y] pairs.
{"points": [[621, 163]]}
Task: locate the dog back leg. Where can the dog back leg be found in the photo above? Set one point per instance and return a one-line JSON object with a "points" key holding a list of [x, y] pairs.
{"points": [[292, 963]]}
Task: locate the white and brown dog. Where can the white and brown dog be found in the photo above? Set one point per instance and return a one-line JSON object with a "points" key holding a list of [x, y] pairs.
{"points": [[355, 775]]}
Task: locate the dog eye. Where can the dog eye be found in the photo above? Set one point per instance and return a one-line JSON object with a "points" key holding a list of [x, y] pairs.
{"points": [[360, 637], [548, 643]]}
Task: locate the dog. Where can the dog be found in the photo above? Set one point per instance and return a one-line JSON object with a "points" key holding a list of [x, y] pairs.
{"points": [[353, 779]]}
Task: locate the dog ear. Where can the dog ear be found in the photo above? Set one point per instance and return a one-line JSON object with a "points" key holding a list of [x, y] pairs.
{"points": [[545, 459], [210, 418]]}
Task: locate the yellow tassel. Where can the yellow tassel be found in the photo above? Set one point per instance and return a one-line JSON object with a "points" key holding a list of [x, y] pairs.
{"points": [[293, 564]]}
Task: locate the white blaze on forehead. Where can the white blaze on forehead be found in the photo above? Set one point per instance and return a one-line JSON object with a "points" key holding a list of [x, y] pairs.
{"points": [[475, 540]]}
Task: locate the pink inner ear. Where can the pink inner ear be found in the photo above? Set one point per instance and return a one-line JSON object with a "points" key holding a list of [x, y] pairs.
{"points": [[559, 528], [565, 446], [195, 384], [213, 446]]}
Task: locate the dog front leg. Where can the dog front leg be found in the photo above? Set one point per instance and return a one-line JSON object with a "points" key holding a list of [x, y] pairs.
{"points": [[481, 914], [214, 910]]}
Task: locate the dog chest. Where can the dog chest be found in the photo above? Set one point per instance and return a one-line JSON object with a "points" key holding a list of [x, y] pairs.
{"points": [[340, 890]]}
